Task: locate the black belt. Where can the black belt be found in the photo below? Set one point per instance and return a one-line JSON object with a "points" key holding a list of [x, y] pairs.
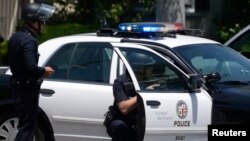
{"points": [[21, 81]]}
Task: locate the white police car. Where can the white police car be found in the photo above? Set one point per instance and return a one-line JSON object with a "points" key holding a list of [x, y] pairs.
{"points": [[201, 82]]}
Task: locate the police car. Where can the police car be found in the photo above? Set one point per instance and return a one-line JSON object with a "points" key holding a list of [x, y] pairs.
{"points": [[201, 82]]}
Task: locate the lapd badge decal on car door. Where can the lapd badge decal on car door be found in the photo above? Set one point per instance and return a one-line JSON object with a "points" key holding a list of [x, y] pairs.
{"points": [[181, 111]]}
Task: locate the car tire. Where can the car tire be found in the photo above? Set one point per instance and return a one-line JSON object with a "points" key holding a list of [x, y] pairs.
{"points": [[8, 128]]}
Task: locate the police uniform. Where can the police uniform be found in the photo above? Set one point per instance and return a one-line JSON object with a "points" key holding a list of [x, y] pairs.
{"points": [[25, 81], [26, 74], [123, 128]]}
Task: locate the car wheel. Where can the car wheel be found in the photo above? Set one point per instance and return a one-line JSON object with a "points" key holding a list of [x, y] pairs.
{"points": [[8, 128]]}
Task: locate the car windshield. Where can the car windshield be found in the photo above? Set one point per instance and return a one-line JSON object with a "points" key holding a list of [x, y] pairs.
{"points": [[211, 58]]}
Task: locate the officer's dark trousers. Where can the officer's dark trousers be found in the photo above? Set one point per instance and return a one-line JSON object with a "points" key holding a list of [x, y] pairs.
{"points": [[26, 104], [119, 131]]}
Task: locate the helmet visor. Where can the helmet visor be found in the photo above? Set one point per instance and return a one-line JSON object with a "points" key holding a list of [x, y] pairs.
{"points": [[45, 12]]}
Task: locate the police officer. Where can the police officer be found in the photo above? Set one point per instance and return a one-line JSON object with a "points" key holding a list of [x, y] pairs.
{"points": [[123, 127], [26, 74]]}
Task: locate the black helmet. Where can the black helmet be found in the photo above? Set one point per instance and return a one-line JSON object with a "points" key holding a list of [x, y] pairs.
{"points": [[37, 12], [139, 60]]}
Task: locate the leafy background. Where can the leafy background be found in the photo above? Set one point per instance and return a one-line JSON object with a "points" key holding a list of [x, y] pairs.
{"points": [[81, 16]]}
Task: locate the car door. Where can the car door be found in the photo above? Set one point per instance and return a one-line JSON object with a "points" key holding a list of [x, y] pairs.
{"points": [[171, 111], [78, 94]]}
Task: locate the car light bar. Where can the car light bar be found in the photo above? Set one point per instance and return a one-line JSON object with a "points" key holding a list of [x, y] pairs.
{"points": [[145, 27], [153, 30]]}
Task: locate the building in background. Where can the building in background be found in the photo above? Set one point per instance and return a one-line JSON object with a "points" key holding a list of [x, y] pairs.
{"points": [[194, 14], [172, 11], [202, 14], [8, 17]]}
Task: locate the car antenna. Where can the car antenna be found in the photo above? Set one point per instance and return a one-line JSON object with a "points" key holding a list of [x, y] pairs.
{"points": [[105, 29], [104, 23]]}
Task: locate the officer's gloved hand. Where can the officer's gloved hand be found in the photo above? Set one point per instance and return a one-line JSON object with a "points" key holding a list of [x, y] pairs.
{"points": [[48, 71]]}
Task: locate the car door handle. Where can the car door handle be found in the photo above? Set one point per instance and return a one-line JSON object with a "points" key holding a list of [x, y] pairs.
{"points": [[153, 103], [47, 91]]}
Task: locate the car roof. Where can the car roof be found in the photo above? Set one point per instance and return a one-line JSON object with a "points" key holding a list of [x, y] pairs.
{"points": [[177, 40], [180, 40]]}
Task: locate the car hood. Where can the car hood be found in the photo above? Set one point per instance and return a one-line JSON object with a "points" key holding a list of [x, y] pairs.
{"points": [[232, 96]]}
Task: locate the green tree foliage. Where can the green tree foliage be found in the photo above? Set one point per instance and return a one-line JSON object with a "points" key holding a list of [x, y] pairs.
{"points": [[236, 15], [3, 53], [51, 31], [114, 11]]}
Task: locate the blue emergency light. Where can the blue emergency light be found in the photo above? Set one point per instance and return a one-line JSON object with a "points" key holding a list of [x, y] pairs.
{"points": [[142, 27], [149, 30]]}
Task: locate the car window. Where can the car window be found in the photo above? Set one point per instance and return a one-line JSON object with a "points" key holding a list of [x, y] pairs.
{"points": [[211, 58], [204, 64], [156, 71], [91, 62], [60, 61], [88, 62]]}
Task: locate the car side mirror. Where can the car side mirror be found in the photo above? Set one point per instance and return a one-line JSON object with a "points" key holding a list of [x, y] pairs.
{"points": [[212, 77], [195, 83]]}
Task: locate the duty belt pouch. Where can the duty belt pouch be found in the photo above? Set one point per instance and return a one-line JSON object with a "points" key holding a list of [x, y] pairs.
{"points": [[110, 115], [129, 88]]}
